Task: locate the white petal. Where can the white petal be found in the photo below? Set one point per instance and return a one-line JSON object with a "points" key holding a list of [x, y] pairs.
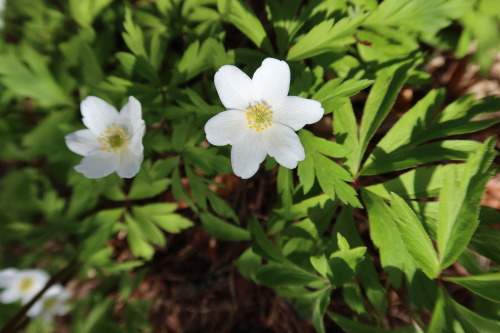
{"points": [[97, 114], [82, 142], [132, 110], [98, 164], [130, 164], [234, 87], [138, 134], [247, 154], [36, 309], [226, 128], [7, 276], [296, 112], [9, 296], [284, 145], [271, 82]]}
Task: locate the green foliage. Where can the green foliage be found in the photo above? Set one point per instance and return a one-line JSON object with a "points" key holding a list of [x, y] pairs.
{"points": [[378, 212]]}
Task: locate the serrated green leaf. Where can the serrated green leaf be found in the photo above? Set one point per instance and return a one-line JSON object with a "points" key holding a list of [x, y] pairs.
{"points": [[173, 223], [136, 239], [383, 227], [459, 204], [326, 36], [383, 93], [414, 237], [239, 14]]}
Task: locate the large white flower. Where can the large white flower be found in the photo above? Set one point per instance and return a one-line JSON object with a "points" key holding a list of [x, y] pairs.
{"points": [[21, 285], [54, 302], [261, 118], [113, 140]]}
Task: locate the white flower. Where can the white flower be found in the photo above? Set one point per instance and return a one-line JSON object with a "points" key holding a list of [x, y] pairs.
{"points": [[113, 140], [261, 118], [54, 302], [21, 285]]}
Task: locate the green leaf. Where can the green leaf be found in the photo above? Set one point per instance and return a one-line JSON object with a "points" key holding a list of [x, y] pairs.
{"points": [[343, 264], [320, 264], [326, 36], [222, 229], [133, 36], [149, 231], [173, 223], [423, 182], [333, 91], [487, 285], [473, 322], [285, 189], [27, 74], [367, 274], [393, 255], [264, 244], [416, 119], [422, 15], [442, 319], [331, 177], [278, 275], [351, 326], [320, 306], [136, 240], [414, 237], [383, 93], [196, 59], [239, 14], [346, 132], [408, 157], [85, 11], [459, 203]]}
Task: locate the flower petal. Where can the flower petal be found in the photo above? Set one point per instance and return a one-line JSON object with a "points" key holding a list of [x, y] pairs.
{"points": [[226, 128], [130, 164], [247, 154], [9, 296], [132, 111], [296, 112], [97, 114], [136, 139], [98, 164], [234, 87], [284, 145], [130, 116], [7, 276], [82, 142], [271, 82]]}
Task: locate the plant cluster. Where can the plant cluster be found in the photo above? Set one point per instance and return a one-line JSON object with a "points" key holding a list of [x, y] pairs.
{"points": [[357, 212]]}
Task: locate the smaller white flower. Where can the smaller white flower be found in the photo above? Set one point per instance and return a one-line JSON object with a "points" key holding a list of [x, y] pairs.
{"points": [[261, 119], [21, 285], [113, 140], [54, 302]]}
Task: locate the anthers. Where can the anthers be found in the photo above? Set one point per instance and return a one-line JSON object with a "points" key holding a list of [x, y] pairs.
{"points": [[259, 117]]}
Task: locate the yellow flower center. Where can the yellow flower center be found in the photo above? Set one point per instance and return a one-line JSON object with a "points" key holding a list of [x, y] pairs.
{"points": [[259, 117], [25, 284], [49, 303], [114, 140]]}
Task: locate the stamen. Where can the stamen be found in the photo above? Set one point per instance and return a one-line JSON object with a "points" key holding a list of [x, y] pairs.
{"points": [[259, 117], [114, 139], [26, 284]]}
